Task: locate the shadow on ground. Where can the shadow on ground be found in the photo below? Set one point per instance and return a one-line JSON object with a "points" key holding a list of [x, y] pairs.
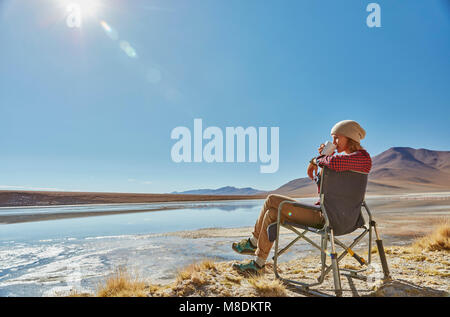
{"points": [[390, 288]]}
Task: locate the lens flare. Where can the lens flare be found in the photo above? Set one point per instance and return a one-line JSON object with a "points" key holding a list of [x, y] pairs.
{"points": [[153, 75], [105, 26], [109, 30], [128, 49]]}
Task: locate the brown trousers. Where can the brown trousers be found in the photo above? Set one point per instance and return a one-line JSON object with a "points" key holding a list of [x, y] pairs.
{"points": [[269, 214]]}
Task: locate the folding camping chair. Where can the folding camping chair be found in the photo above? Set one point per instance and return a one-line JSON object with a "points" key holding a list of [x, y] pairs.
{"points": [[341, 201]]}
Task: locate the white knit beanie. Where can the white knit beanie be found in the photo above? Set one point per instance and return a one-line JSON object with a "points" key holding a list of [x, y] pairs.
{"points": [[350, 129]]}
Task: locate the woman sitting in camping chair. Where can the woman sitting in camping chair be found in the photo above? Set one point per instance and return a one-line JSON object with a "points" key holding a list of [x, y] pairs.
{"points": [[346, 137]]}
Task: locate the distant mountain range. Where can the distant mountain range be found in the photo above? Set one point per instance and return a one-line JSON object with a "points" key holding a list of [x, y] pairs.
{"points": [[227, 190], [403, 168], [396, 170]]}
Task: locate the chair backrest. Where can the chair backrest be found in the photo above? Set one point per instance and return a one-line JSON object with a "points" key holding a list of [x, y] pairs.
{"points": [[343, 197]]}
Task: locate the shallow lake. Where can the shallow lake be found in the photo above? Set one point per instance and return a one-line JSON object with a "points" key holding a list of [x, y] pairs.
{"points": [[39, 258]]}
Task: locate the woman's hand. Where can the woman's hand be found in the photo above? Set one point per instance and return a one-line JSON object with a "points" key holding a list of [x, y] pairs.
{"points": [[321, 148], [312, 170]]}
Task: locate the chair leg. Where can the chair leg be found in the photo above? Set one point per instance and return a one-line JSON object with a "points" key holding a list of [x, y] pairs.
{"points": [[275, 256], [323, 257], [335, 267], [382, 254], [336, 275]]}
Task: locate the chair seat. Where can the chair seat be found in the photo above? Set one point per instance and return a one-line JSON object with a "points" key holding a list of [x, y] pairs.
{"points": [[309, 206], [272, 229]]}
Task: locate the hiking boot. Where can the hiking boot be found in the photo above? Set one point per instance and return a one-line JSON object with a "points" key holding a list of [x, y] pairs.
{"points": [[244, 247], [249, 268]]}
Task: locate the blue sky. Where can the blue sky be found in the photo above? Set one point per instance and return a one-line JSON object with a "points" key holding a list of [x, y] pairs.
{"points": [[78, 113]]}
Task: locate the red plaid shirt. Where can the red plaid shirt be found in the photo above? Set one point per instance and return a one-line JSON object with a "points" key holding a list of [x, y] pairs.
{"points": [[359, 161]]}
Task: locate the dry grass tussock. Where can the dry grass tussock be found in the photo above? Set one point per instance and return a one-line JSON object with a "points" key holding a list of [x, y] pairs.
{"points": [[437, 240], [194, 279], [266, 287], [124, 284], [121, 283], [209, 278]]}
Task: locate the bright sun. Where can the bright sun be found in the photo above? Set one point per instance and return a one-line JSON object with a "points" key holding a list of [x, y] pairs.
{"points": [[88, 7], [84, 7], [79, 10]]}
